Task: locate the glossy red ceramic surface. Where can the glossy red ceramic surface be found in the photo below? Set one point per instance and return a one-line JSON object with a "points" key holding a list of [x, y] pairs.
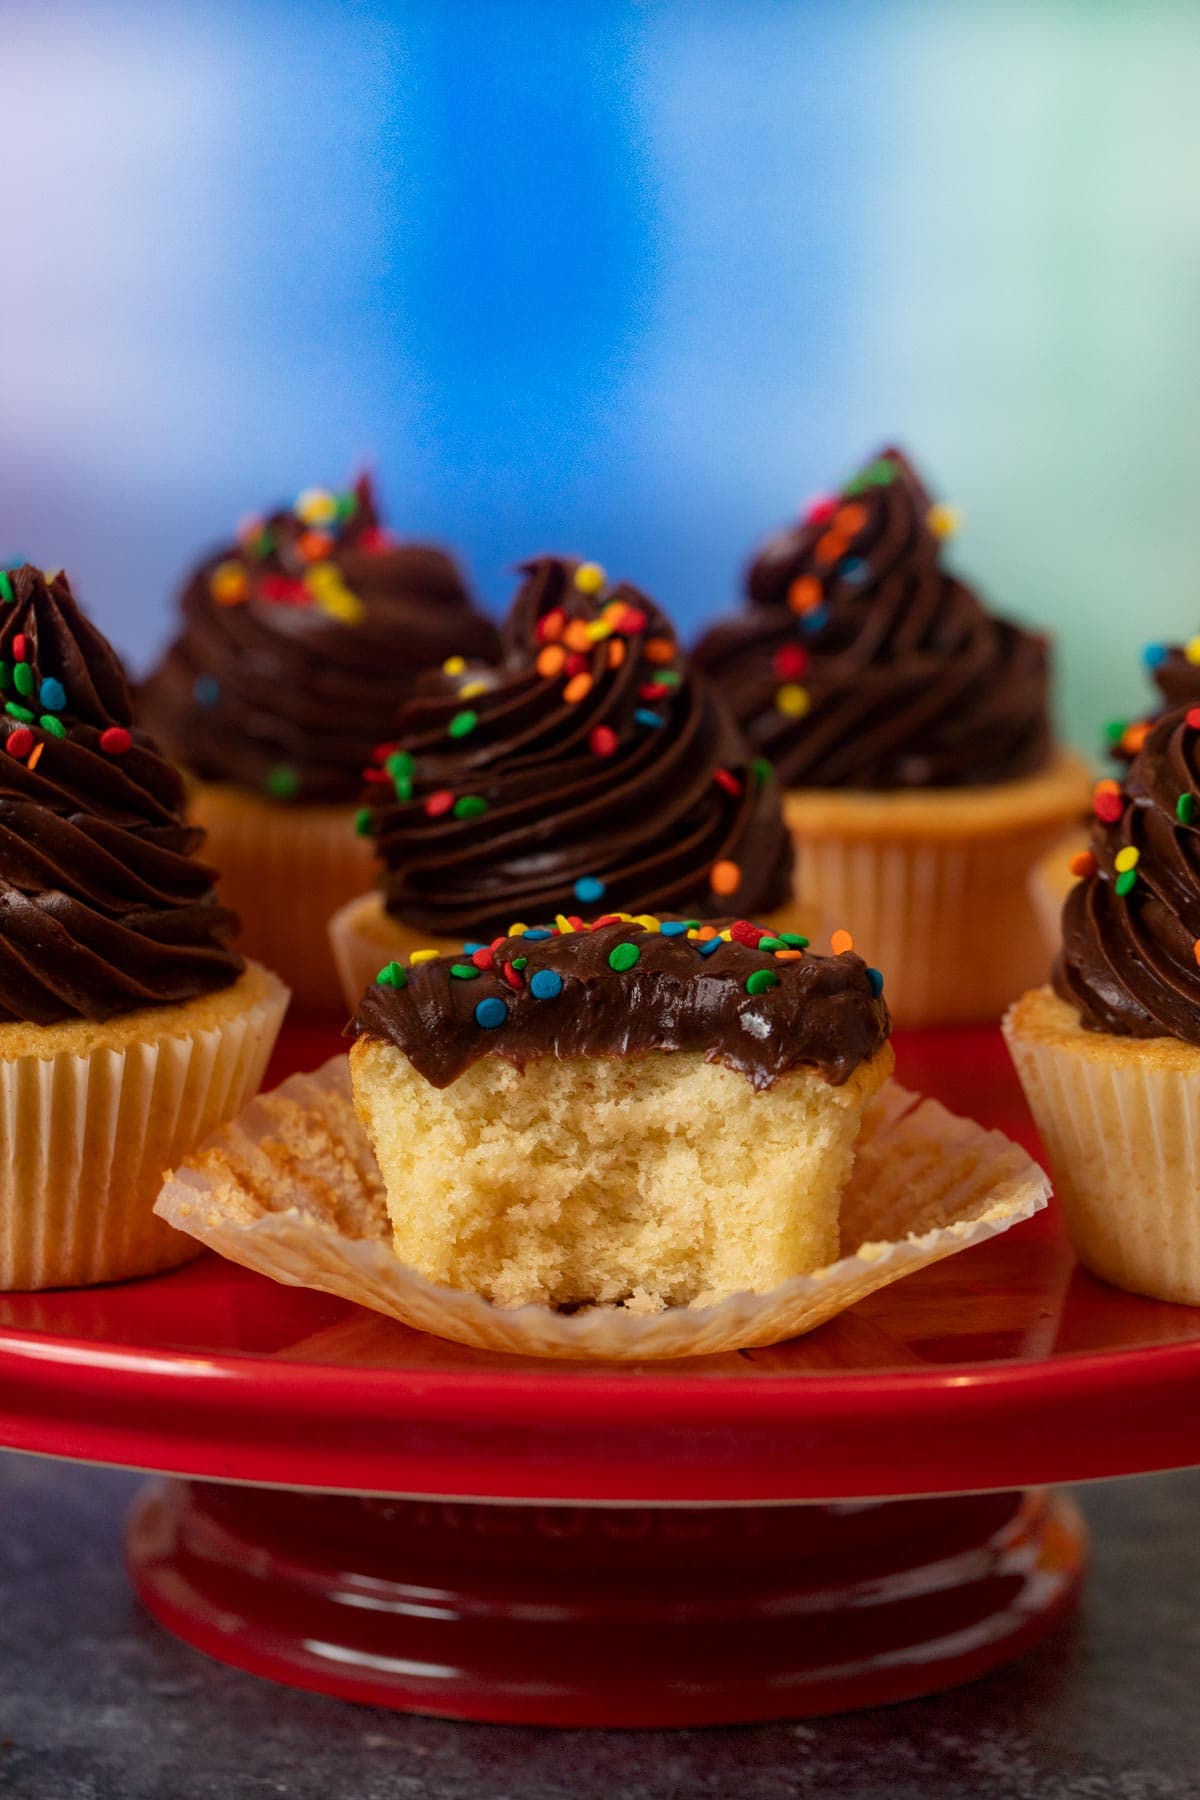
{"points": [[1000, 1368]]}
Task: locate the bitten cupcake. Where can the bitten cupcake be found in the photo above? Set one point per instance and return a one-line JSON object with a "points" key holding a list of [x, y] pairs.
{"points": [[911, 730], [299, 641], [1109, 1056], [128, 1027], [591, 768], [639, 1111]]}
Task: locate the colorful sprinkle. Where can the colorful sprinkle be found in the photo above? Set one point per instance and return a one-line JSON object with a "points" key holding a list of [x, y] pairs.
{"points": [[1126, 882], [1154, 654], [589, 889], [5, 675], [115, 741], [19, 646], [794, 940], [792, 701], [1196, 950], [616, 653], [463, 723], [577, 689], [6, 586], [15, 710], [19, 743], [454, 665], [659, 651], [1134, 736], [439, 803], [547, 984], [602, 741], [590, 578], [1185, 808], [1107, 802], [54, 726], [36, 756], [725, 878], [423, 956], [550, 660], [206, 690], [643, 716], [470, 806], [623, 956], [677, 927], [790, 662], [854, 570], [464, 971], [761, 981], [393, 975], [532, 934], [1083, 864], [724, 778], [483, 956], [316, 506], [943, 520], [814, 620], [551, 625], [512, 974], [743, 932], [805, 594], [1128, 858], [1192, 650], [491, 1013], [706, 946], [229, 584], [1192, 717], [875, 977], [762, 771], [23, 679], [282, 782], [841, 942]]}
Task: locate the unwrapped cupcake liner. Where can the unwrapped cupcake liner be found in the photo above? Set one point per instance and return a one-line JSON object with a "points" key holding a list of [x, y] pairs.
{"points": [[291, 1189], [1050, 881], [285, 870], [947, 922], [88, 1137], [1121, 1126]]}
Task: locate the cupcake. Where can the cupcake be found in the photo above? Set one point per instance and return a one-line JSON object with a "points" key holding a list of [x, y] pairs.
{"points": [[129, 1028], [298, 643], [1109, 1055], [910, 728], [591, 768], [639, 1111]]}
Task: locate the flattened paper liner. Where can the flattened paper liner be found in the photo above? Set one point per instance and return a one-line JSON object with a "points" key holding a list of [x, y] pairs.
{"points": [[291, 1189]]}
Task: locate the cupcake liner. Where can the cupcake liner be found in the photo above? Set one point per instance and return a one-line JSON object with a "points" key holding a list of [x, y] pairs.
{"points": [[292, 1190], [1120, 1119], [284, 870], [88, 1136], [1050, 881]]}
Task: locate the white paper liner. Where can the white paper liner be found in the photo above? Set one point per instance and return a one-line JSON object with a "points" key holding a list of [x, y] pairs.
{"points": [[87, 1139], [291, 1189], [1121, 1126]]}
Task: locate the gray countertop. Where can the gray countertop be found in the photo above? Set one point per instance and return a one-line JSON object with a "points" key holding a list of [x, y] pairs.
{"points": [[97, 1703]]}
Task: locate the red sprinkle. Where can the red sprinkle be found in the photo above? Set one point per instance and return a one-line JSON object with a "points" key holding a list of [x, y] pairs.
{"points": [[791, 662], [729, 782], [374, 540], [743, 932], [630, 621], [514, 977], [576, 664], [1193, 717], [575, 920], [19, 743], [483, 959], [602, 741], [381, 752], [379, 776], [550, 625], [283, 588], [19, 647], [115, 741], [818, 511], [439, 803], [654, 690], [606, 919]]}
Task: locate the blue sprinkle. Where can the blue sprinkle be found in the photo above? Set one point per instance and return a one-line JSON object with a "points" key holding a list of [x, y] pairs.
{"points": [[207, 689], [589, 888], [643, 716], [491, 1013], [876, 981], [535, 937], [1154, 654], [470, 949], [706, 946], [546, 984], [813, 621], [53, 694], [674, 927], [853, 569]]}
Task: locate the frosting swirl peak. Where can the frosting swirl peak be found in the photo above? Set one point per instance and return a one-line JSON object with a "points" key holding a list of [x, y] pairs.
{"points": [[860, 662], [103, 908], [592, 765]]}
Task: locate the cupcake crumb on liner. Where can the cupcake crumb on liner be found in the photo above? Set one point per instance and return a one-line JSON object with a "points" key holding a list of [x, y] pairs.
{"points": [[291, 1189]]}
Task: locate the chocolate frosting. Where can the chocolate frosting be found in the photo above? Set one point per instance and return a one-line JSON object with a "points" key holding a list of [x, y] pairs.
{"points": [[298, 643], [861, 663], [592, 765], [1131, 934], [756, 1003], [103, 908]]}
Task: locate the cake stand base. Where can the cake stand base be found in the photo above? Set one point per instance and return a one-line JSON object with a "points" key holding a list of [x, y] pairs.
{"points": [[630, 1616]]}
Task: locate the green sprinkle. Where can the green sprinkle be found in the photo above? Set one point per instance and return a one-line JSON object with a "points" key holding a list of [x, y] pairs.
{"points": [[400, 762], [282, 782], [1114, 731], [470, 806], [402, 787], [518, 962], [19, 712], [623, 957], [362, 821], [54, 726], [761, 981], [394, 975], [772, 944], [793, 940], [347, 505], [463, 723], [6, 586], [1185, 809], [265, 544], [880, 473], [667, 677], [5, 675], [463, 971], [761, 770], [1126, 881], [23, 679]]}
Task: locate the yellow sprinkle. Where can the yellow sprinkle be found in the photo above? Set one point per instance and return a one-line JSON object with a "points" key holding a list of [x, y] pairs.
{"points": [[564, 925], [517, 930], [454, 665], [647, 921], [316, 506], [944, 521], [471, 689], [1192, 650], [627, 918], [726, 936], [693, 934], [1126, 859], [599, 629], [340, 603], [320, 575], [228, 583], [422, 956], [792, 700], [590, 578]]}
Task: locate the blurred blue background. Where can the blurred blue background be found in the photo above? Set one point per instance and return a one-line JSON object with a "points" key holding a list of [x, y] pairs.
{"points": [[631, 280]]}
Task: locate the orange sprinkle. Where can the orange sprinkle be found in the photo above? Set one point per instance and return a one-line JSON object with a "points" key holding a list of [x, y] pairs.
{"points": [[550, 660], [1083, 864], [1107, 786], [228, 584], [706, 931], [577, 636], [314, 545], [36, 757], [830, 547], [1196, 950], [1134, 736], [725, 878], [849, 519], [840, 942], [659, 651], [789, 955], [577, 689], [616, 653], [804, 595]]}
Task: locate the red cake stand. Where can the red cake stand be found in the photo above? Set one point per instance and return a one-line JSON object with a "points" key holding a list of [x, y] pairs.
{"points": [[856, 1517]]}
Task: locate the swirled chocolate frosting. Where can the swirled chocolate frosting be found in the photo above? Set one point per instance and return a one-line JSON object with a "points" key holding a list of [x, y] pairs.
{"points": [[860, 662], [591, 766], [622, 987], [103, 907], [299, 641], [1131, 924], [1175, 669]]}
